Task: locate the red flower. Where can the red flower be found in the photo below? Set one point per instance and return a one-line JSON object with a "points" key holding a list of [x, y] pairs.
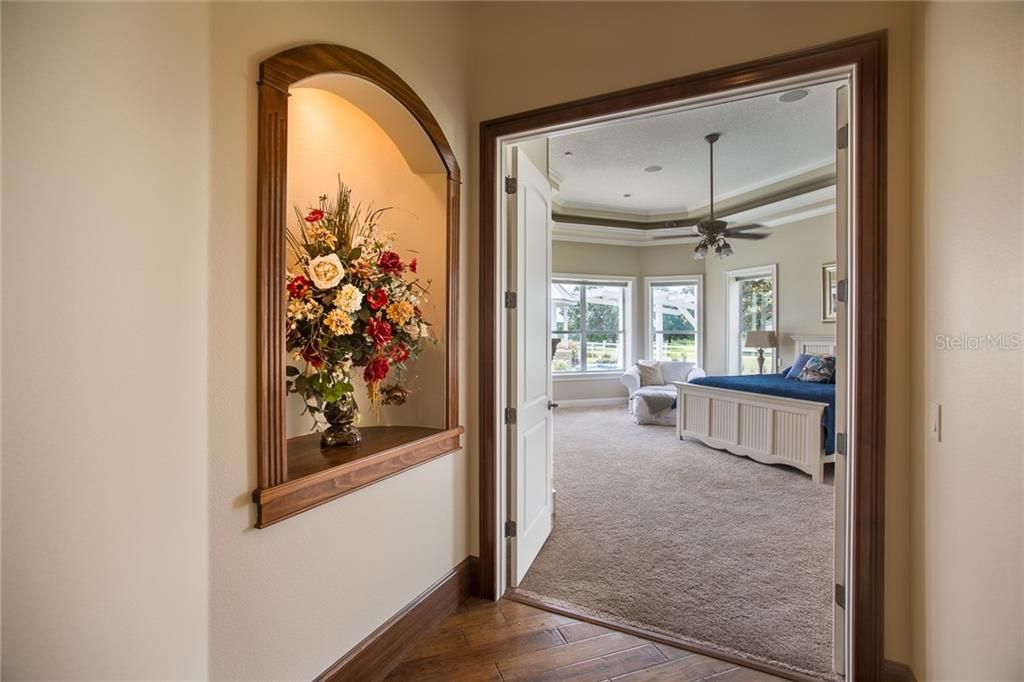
{"points": [[376, 370], [416, 311], [399, 354], [379, 331], [412, 265], [314, 215], [390, 263], [378, 298], [312, 355], [299, 287]]}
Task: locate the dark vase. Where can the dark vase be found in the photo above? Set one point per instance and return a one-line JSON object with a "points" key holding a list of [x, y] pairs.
{"points": [[341, 419]]}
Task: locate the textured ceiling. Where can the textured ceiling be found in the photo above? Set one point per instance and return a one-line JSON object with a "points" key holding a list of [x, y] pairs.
{"points": [[763, 141]]}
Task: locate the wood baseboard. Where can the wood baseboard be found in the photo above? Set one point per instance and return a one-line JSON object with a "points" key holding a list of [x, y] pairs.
{"points": [[378, 654], [894, 671]]}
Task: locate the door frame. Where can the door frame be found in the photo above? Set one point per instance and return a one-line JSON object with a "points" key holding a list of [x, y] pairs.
{"points": [[866, 57]]}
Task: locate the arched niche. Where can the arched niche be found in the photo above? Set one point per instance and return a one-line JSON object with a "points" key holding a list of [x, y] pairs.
{"points": [[326, 110]]}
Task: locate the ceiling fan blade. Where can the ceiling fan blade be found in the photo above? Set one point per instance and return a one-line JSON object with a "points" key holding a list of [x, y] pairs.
{"points": [[745, 228], [744, 235]]}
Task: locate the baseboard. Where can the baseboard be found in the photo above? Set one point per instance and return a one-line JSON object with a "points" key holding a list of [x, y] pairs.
{"points": [[592, 402], [894, 671], [378, 654]]}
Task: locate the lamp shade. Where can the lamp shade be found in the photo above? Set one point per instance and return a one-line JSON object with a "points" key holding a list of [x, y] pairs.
{"points": [[760, 339]]}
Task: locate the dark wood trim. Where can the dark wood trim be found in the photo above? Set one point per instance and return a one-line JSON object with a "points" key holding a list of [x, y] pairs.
{"points": [[277, 75], [378, 654], [678, 642], [292, 497], [868, 55], [894, 671]]}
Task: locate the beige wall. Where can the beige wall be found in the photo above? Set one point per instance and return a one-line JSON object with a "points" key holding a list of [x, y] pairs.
{"points": [[967, 278], [798, 250], [106, 216], [128, 397], [328, 136]]}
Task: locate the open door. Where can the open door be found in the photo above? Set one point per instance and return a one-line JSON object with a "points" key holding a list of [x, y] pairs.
{"points": [[530, 432], [842, 374]]}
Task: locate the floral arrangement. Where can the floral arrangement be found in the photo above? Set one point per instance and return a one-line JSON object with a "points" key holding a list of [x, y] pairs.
{"points": [[352, 302]]}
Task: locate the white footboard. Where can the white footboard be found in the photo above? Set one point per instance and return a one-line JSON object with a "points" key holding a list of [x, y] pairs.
{"points": [[766, 428]]}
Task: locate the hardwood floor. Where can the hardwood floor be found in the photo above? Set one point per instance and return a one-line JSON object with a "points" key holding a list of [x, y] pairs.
{"points": [[506, 641]]}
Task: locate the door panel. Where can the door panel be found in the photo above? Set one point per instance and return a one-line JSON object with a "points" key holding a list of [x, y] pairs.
{"points": [[842, 375], [531, 436]]}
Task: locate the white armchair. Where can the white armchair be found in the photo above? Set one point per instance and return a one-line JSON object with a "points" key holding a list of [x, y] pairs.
{"points": [[652, 404]]}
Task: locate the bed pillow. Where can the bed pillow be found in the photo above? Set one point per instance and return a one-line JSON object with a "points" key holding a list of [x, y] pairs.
{"points": [[798, 366], [650, 373], [819, 369]]}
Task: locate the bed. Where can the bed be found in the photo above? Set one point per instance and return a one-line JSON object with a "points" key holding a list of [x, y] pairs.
{"points": [[767, 417]]}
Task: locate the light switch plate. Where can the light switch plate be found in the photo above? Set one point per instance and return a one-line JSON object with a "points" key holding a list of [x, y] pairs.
{"points": [[935, 421]]}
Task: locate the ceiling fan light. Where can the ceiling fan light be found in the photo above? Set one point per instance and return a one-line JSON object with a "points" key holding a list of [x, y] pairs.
{"points": [[724, 249], [701, 251]]}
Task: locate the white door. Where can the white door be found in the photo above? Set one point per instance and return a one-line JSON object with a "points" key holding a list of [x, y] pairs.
{"points": [[530, 438], [842, 376]]}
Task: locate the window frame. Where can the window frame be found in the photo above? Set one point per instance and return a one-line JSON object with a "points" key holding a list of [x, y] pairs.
{"points": [[649, 334], [629, 284], [734, 362]]}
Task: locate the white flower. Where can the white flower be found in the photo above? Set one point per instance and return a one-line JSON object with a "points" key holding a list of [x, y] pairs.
{"points": [[424, 331], [325, 271], [349, 298], [413, 329]]}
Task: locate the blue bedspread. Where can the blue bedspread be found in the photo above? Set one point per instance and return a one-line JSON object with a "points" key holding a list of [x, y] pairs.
{"points": [[778, 384]]}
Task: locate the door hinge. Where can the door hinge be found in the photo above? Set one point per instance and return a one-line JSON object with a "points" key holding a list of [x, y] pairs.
{"points": [[511, 184], [840, 596], [511, 299], [843, 137], [510, 415], [841, 443], [510, 529], [841, 291]]}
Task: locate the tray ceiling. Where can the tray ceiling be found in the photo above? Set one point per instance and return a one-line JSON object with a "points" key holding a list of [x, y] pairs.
{"points": [[765, 142]]}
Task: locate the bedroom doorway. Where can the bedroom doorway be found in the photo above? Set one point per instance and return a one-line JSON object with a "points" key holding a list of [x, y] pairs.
{"points": [[680, 511], [862, 61]]}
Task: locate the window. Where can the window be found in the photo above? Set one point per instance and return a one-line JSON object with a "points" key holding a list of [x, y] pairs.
{"points": [[589, 319], [673, 318], [752, 306]]}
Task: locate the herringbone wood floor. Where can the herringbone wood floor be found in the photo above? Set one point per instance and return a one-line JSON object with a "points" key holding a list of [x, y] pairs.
{"points": [[507, 641]]}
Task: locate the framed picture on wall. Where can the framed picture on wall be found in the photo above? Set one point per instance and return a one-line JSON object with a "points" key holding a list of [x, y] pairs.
{"points": [[828, 292]]}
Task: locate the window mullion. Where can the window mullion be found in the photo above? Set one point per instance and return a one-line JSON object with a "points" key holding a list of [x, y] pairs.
{"points": [[583, 328]]}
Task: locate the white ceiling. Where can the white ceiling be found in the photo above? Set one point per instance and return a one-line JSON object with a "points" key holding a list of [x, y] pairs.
{"points": [[764, 141]]}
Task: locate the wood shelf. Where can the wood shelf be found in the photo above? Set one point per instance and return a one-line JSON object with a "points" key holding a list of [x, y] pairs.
{"points": [[317, 476]]}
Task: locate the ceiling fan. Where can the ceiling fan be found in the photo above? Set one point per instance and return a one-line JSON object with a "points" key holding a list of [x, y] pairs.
{"points": [[714, 231]]}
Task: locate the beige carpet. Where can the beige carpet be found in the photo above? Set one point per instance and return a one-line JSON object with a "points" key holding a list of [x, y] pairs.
{"points": [[680, 538]]}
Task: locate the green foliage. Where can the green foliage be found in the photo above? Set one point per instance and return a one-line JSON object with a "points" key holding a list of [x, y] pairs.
{"points": [[757, 308]]}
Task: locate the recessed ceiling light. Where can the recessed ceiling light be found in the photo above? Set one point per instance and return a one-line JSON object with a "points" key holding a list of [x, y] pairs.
{"points": [[567, 154], [652, 169], [793, 95], [627, 195]]}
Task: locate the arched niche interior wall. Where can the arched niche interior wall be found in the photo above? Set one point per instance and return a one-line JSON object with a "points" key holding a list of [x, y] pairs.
{"points": [[327, 111]]}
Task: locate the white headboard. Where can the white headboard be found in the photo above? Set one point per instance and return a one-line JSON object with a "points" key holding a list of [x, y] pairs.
{"points": [[813, 345]]}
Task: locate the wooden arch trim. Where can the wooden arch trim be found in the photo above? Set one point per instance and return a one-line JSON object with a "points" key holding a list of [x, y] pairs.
{"points": [[287, 68], [277, 74]]}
